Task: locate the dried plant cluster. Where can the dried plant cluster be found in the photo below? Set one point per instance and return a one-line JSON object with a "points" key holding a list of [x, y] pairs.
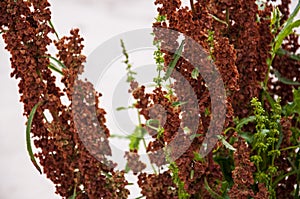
{"points": [[257, 153]]}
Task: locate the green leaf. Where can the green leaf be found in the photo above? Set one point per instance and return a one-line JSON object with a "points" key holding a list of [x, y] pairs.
{"points": [[195, 136], [224, 189], [74, 194], [28, 140], [195, 73], [282, 52], [285, 80], [192, 174], [153, 124], [127, 169], [206, 112], [175, 104], [136, 137], [269, 98], [51, 25], [286, 31], [219, 20], [53, 67], [140, 197], [160, 18], [294, 13], [288, 28], [198, 157], [56, 60], [225, 143], [121, 108], [247, 136], [293, 107], [244, 121], [173, 63], [226, 165], [210, 191], [275, 20], [119, 136]]}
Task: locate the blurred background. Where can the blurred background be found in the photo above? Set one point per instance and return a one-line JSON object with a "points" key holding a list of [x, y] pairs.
{"points": [[98, 21]]}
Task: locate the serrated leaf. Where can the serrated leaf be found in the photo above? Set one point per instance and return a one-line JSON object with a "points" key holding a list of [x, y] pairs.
{"points": [[28, 140]]}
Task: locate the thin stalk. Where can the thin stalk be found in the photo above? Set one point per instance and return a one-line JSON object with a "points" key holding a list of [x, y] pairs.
{"points": [[212, 192], [298, 183], [290, 147], [144, 142], [284, 176], [192, 7], [219, 20]]}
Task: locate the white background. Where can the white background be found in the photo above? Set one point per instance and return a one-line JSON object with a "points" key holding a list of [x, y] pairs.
{"points": [[98, 21]]}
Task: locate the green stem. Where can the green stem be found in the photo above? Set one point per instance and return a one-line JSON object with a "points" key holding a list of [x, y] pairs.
{"points": [[298, 182], [144, 142], [228, 129], [284, 176], [212, 192], [290, 147], [265, 85], [219, 20]]}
